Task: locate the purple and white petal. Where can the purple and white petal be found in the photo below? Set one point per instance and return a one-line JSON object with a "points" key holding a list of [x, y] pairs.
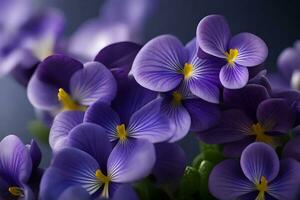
{"points": [[75, 193], [150, 123], [159, 63], [93, 82], [63, 123], [131, 160], [234, 76], [252, 50], [203, 115], [259, 159], [228, 182], [234, 125], [102, 114], [287, 183], [92, 139], [213, 35], [170, 162], [179, 119], [15, 160]]}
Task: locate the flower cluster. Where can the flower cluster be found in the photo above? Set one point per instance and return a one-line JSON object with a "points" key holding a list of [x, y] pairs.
{"points": [[115, 109]]}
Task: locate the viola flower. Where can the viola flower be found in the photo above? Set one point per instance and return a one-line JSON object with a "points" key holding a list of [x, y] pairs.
{"points": [[164, 63], [109, 28], [237, 128], [135, 114], [63, 83], [235, 53], [187, 112], [18, 164], [259, 175], [91, 163]]}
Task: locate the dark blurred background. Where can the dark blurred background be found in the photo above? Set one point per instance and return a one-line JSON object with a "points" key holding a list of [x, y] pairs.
{"points": [[277, 22]]}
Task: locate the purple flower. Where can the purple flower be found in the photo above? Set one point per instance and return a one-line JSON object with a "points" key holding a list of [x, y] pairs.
{"points": [[35, 39], [94, 165], [291, 149], [261, 119], [63, 83], [188, 112], [18, 164], [236, 53], [164, 63], [109, 28], [259, 175]]}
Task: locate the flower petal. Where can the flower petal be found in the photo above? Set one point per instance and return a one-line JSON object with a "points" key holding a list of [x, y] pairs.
{"points": [[252, 50], [150, 123], [57, 70], [41, 95], [125, 192], [235, 149], [204, 115], [118, 57], [35, 154], [204, 81], [157, 66], [103, 115], [213, 35], [228, 182], [259, 159], [74, 193], [234, 125], [291, 149], [93, 140], [288, 61], [63, 123], [179, 119], [15, 160], [286, 185], [77, 167], [93, 82], [275, 115], [234, 76], [130, 98], [247, 98], [122, 162], [170, 162]]}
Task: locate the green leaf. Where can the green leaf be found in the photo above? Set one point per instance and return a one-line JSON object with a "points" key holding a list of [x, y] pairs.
{"points": [[149, 191], [39, 131], [204, 170]]}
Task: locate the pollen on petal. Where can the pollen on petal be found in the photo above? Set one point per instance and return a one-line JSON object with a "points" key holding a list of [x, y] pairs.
{"points": [[67, 102], [16, 191], [187, 70], [177, 98], [121, 132], [231, 55]]}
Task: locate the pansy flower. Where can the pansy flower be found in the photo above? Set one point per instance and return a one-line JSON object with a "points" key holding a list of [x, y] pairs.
{"points": [[236, 53], [259, 175], [94, 165], [18, 166], [260, 119], [164, 63], [63, 83]]}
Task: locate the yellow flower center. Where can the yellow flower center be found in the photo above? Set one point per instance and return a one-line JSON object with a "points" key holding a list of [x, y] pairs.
{"points": [[121, 132], [187, 70], [177, 98], [259, 131], [232, 55], [262, 187], [16, 191], [103, 179], [67, 102]]}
